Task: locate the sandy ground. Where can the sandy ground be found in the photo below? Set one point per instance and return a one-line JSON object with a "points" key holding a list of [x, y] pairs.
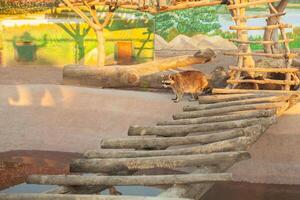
{"points": [[74, 119]]}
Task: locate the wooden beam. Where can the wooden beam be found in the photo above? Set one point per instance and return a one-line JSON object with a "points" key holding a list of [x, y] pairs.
{"points": [[268, 55], [258, 16], [256, 69], [150, 180], [265, 81], [183, 130], [249, 28], [220, 118], [35, 196], [260, 42], [271, 99], [169, 162], [251, 3]]}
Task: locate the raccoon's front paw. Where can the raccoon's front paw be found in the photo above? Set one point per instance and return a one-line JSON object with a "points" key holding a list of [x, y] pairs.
{"points": [[192, 99], [176, 100]]}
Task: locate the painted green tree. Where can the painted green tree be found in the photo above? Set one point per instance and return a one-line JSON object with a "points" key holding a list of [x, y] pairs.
{"points": [[188, 22]]}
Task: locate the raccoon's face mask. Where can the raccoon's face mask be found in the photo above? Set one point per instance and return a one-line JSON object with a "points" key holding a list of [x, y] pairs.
{"points": [[168, 81]]}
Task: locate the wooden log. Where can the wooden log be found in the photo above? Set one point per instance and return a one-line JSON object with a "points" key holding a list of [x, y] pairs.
{"points": [[258, 16], [268, 55], [235, 144], [150, 180], [35, 196], [247, 91], [183, 130], [251, 3], [265, 81], [217, 98], [276, 70], [236, 103], [129, 76], [260, 41], [169, 162], [163, 143], [229, 109], [249, 28], [219, 118]]}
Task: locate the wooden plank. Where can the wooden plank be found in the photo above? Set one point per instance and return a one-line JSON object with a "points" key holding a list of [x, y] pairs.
{"points": [[236, 103], [150, 180], [220, 118], [251, 3], [183, 130], [265, 81], [256, 69], [35, 196], [169, 162], [249, 28]]}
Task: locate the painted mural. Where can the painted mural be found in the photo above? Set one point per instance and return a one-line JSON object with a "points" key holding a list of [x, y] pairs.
{"points": [[40, 33]]}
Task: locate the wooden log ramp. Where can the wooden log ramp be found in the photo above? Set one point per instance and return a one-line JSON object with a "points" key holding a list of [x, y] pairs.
{"points": [[226, 125]]}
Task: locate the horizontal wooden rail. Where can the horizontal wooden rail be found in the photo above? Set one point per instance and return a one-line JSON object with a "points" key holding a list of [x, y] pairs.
{"points": [[249, 28], [247, 91], [217, 98], [151, 180], [269, 55], [265, 81], [258, 16], [251, 3], [261, 42], [276, 70]]}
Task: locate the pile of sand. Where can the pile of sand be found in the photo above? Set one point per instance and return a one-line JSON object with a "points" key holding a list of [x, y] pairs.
{"points": [[197, 42]]}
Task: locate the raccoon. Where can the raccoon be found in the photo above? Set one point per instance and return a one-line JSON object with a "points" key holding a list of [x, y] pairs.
{"points": [[193, 82]]}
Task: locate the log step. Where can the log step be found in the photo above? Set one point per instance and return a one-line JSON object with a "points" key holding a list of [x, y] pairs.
{"points": [[219, 118], [34, 196], [119, 165], [217, 98], [234, 144], [270, 55], [261, 42], [157, 143], [258, 16], [151, 180], [236, 103], [229, 109], [249, 28], [183, 130], [251, 3], [255, 69]]}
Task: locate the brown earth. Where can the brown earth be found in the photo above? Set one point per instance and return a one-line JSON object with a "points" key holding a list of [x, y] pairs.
{"points": [[15, 166]]}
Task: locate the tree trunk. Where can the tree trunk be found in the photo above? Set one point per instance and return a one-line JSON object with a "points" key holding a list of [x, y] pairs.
{"points": [[100, 48]]}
